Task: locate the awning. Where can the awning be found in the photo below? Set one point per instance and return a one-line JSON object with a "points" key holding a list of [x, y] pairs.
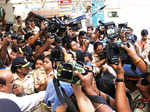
{"points": [[48, 13]]}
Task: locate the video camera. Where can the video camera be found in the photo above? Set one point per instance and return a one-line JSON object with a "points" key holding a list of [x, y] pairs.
{"points": [[113, 51], [66, 72], [53, 25]]}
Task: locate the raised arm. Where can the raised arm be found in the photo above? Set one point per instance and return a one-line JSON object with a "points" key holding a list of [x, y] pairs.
{"points": [[135, 58], [32, 39], [122, 102], [84, 104], [42, 49], [100, 105]]}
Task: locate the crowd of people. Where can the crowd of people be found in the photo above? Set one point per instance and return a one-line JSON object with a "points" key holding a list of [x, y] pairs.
{"points": [[28, 59]]}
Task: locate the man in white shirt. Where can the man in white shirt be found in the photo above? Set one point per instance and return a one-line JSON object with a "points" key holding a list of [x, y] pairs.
{"points": [[25, 103]]}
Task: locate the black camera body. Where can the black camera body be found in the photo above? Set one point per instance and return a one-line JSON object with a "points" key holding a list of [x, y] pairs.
{"points": [[54, 24], [57, 54], [113, 51]]}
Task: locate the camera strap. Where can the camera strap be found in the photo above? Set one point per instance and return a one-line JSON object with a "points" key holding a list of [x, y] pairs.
{"points": [[63, 96], [97, 99]]}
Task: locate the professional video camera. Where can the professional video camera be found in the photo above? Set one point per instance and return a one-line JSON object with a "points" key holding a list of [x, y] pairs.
{"points": [[66, 72], [54, 24], [113, 51], [127, 31]]}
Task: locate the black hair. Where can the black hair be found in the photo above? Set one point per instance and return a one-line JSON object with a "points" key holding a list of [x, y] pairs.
{"points": [[91, 27], [41, 57], [49, 57], [82, 33], [18, 17], [2, 81], [68, 44], [28, 22], [13, 69], [28, 35], [144, 32], [97, 44]]}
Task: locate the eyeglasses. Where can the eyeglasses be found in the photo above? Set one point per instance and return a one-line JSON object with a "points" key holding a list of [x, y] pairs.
{"points": [[144, 82]]}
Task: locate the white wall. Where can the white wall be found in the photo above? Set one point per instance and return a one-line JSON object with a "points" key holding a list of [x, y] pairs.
{"points": [[135, 12]]}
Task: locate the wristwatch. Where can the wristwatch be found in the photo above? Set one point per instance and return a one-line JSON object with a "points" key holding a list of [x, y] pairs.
{"points": [[119, 80]]}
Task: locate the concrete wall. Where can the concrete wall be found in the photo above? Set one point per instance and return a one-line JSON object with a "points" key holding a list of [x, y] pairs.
{"points": [[135, 12], [9, 11]]}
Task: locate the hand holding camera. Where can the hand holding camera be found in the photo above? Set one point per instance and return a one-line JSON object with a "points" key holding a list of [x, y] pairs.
{"points": [[130, 49], [118, 68], [86, 81]]}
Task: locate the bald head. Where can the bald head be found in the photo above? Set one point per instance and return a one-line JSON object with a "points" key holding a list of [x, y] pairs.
{"points": [[5, 73], [6, 81]]}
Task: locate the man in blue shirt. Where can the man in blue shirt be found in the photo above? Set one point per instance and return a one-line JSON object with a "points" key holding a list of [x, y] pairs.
{"points": [[51, 98]]}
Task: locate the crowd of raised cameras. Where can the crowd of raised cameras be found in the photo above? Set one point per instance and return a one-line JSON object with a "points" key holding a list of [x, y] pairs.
{"points": [[52, 65]]}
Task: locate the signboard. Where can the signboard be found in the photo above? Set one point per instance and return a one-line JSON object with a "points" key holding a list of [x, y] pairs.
{"points": [[64, 2], [96, 4], [65, 7]]}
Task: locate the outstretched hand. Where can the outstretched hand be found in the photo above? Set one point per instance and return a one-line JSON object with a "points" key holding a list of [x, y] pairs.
{"points": [[130, 50], [86, 81]]}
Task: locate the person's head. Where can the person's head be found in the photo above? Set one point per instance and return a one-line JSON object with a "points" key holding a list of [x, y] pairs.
{"points": [[73, 45], [28, 24], [21, 66], [88, 57], [90, 30], [20, 40], [144, 84], [32, 23], [6, 81], [39, 62], [19, 19], [98, 47], [16, 51], [93, 37], [144, 34], [82, 35], [48, 64]]}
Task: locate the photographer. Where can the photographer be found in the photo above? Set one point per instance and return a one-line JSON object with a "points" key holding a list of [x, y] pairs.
{"points": [[85, 43], [42, 48], [90, 89], [98, 55], [19, 26], [122, 102], [31, 40]]}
